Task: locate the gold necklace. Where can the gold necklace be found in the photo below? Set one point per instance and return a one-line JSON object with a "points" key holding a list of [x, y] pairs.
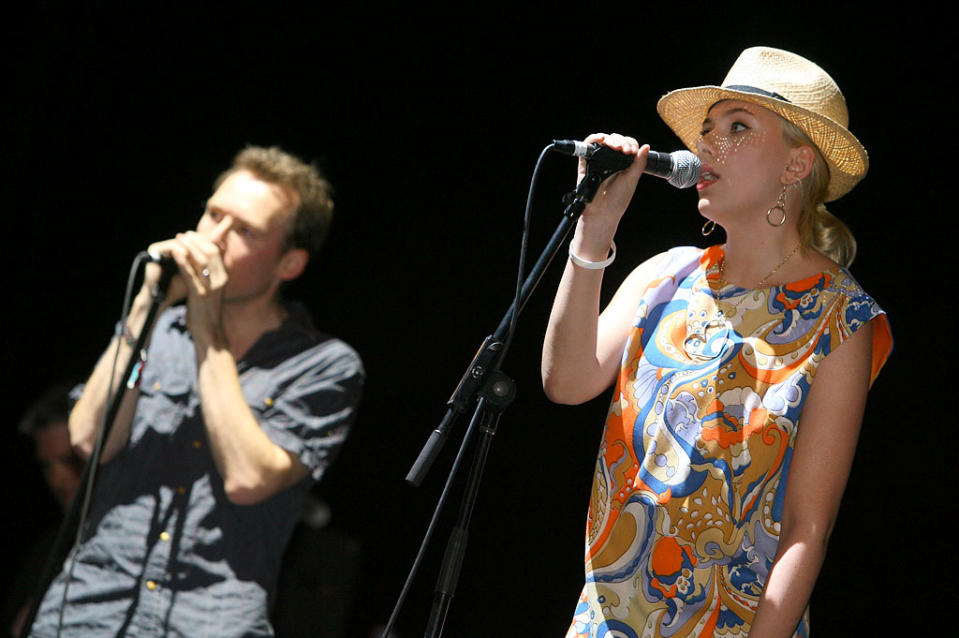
{"points": [[762, 282]]}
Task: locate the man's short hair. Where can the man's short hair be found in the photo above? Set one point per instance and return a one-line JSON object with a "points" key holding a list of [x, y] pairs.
{"points": [[313, 215]]}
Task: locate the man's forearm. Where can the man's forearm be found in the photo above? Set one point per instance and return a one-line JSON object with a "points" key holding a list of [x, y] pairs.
{"points": [[87, 415], [253, 468]]}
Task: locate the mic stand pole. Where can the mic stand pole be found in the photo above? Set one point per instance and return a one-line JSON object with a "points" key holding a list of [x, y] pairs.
{"points": [[496, 395], [483, 378], [63, 541]]}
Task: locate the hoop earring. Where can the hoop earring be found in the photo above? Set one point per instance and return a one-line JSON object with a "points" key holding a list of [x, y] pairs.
{"points": [[780, 206], [708, 228]]}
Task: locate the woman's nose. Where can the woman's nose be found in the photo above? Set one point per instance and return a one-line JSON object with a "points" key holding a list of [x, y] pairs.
{"points": [[703, 146]]}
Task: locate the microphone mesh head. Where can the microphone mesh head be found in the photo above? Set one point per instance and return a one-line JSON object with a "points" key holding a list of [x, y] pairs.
{"points": [[686, 167]]}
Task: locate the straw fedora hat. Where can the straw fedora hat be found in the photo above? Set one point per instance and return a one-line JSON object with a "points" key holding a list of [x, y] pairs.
{"points": [[794, 88]]}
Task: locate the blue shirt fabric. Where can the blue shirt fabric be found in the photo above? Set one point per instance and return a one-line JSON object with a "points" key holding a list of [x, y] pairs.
{"points": [[164, 552]]}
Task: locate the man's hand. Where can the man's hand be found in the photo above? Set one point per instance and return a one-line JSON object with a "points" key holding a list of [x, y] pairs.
{"points": [[201, 279]]}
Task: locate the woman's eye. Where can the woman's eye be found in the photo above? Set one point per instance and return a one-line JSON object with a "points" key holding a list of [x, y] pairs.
{"points": [[737, 127]]}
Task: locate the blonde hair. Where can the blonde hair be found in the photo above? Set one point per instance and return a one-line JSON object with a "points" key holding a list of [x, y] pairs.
{"points": [[818, 228]]}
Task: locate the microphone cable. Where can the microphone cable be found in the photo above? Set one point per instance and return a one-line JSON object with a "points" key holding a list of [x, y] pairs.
{"points": [[524, 248], [93, 462]]}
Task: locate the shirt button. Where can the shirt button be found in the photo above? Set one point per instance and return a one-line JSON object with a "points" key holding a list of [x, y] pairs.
{"points": [[181, 490], [268, 401], [157, 386], [151, 585], [164, 536], [197, 444]]}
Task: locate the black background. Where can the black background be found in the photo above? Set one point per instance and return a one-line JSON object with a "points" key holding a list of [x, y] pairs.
{"points": [[428, 121]]}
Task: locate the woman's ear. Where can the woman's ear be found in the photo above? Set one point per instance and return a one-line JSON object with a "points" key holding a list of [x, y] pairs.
{"points": [[800, 164]]}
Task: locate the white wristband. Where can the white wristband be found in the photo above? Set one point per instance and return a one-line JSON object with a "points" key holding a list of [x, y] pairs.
{"points": [[593, 265]]}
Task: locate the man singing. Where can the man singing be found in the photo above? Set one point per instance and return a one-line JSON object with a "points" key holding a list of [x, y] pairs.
{"points": [[239, 406]]}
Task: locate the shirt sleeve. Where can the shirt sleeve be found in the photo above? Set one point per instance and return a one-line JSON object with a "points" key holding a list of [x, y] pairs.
{"points": [[308, 403], [858, 309]]}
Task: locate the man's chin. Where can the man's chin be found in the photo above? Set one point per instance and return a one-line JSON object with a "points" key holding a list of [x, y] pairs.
{"points": [[235, 298]]}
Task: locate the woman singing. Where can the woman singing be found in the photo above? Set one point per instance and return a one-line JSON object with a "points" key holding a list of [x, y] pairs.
{"points": [[741, 370]]}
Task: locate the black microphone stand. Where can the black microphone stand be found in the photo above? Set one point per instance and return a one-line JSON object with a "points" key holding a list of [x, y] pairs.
{"points": [[486, 358], [495, 395], [495, 390], [77, 511]]}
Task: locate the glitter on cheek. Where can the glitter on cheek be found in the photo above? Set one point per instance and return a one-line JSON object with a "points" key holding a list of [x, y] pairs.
{"points": [[751, 138], [721, 147], [725, 147]]}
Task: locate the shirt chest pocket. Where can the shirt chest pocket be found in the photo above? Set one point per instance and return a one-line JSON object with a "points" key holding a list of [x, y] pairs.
{"points": [[167, 397]]}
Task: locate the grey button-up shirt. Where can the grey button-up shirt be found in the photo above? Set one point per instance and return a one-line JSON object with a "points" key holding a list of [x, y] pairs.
{"points": [[164, 552]]}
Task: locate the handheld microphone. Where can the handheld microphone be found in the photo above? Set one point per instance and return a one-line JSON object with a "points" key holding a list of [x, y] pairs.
{"points": [[679, 168], [168, 268], [167, 263]]}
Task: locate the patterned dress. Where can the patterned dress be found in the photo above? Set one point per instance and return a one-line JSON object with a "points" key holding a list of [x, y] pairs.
{"points": [[685, 510]]}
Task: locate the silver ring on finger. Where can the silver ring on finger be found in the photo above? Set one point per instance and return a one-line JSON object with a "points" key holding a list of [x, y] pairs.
{"points": [[205, 272]]}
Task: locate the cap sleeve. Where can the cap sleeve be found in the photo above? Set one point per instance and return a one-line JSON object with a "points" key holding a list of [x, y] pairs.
{"points": [[858, 309]]}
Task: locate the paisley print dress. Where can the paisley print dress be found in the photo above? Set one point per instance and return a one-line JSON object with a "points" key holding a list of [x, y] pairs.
{"points": [[687, 497]]}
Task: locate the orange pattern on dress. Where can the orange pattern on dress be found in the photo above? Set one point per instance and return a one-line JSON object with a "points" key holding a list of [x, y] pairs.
{"points": [[687, 495]]}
